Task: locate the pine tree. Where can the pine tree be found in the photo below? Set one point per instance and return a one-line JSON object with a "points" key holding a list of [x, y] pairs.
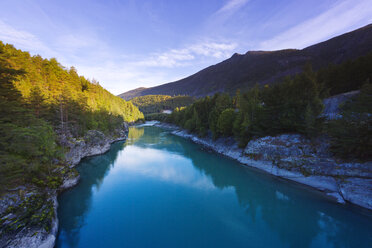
{"points": [[36, 101], [351, 135]]}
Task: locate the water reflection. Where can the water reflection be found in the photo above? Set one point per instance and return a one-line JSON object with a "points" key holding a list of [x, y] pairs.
{"points": [[274, 214], [162, 166], [299, 217], [134, 134], [92, 171]]}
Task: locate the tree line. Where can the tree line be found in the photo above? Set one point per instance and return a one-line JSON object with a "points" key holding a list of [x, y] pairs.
{"points": [[150, 104], [293, 105], [39, 100]]}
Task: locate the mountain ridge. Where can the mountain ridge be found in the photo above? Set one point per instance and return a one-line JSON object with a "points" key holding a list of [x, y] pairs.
{"points": [[242, 71]]}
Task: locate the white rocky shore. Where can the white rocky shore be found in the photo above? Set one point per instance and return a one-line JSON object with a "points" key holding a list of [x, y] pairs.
{"points": [[296, 158], [93, 143]]}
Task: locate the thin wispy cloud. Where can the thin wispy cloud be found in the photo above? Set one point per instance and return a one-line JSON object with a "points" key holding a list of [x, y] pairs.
{"points": [[168, 59], [218, 20], [181, 57], [132, 44], [342, 17], [232, 6], [22, 39], [116, 75], [214, 49], [119, 72], [64, 47], [74, 42], [177, 171]]}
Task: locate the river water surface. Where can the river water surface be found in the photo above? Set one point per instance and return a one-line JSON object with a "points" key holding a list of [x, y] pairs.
{"points": [[159, 190]]}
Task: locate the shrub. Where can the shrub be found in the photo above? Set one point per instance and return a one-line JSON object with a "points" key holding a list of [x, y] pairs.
{"points": [[225, 122], [351, 135]]}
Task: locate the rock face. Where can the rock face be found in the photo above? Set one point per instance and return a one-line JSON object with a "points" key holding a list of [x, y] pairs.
{"points": [[29, 236], [293, 152], [93, 143], [271, 148], [293, 157], [332, 104], [357, 190]]}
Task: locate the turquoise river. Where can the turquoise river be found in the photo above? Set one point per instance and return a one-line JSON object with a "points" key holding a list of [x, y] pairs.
{"points": [[159, 190]]}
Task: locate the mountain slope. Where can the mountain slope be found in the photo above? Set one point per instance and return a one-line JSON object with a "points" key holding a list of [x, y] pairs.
{"points": [[132, 93], [56, 82], [264, 67]]}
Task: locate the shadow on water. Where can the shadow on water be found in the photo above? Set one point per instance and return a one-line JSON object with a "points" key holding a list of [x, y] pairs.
{"points": [[288, 211], [92, 172], [287, 208], [296, 213], [300, 217]]}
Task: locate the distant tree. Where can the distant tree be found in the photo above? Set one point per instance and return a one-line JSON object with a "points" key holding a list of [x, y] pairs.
{"points": [[351, 135], [150, 104], [225, 122], [348, 76], [291, 105]]}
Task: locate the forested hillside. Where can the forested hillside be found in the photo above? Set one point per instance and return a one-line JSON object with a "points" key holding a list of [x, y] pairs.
{"points": [[56, 83], [293, 105], [156, 103], [41, 100]]}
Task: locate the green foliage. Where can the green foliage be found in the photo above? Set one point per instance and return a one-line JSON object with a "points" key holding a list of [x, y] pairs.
{"points": [[351, 135], [156, 103], [27, 143], [348, 76], [219, 103], [291, 106], [62, 97], [202, 115], [225, 122], [156, 117], [36, 101], [247, 123], [39, 98], [48, 83]]}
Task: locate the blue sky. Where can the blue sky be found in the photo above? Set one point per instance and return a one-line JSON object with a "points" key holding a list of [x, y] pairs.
{"points": [[125, 44]]}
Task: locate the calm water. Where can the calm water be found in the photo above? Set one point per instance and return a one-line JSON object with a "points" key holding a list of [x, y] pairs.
{"points": [[158, 190]]}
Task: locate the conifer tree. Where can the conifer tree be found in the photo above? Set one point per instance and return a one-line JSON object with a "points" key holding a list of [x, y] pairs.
{"points": [[36, 101]]}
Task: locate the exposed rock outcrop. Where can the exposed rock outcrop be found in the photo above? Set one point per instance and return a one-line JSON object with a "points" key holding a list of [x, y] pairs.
{"points": [[332, 104], [293, 157], [93, 143], [29, 236]]}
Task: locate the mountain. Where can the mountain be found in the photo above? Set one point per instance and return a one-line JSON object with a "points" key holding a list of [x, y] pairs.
{"points": [[132, 93], [242, 71]]}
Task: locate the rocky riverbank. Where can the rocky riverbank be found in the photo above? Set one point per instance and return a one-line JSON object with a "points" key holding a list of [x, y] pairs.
{"points": [[293, 157], [28, 197]]}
